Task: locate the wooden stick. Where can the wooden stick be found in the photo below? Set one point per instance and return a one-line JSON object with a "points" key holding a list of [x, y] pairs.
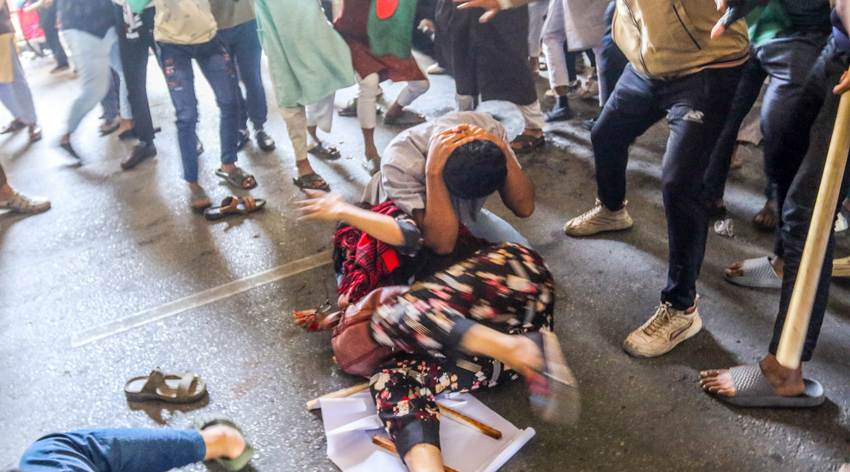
{"points": [[346, 392], [385, 443], [469, 422], [445, 411], [800, 308]]}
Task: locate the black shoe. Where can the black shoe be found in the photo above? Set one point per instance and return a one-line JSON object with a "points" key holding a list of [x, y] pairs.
{"points": [[140, 152], [244, 139], [128, 134], [588, 124], [59, 68], [559, 114], [264, 141]]}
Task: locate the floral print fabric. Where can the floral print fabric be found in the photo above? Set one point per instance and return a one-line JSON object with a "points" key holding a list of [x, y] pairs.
{"points": [[506, 287]]}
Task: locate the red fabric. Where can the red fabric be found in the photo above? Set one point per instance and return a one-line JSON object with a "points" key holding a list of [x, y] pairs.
{"points": [[370, 262], [352, 24]]}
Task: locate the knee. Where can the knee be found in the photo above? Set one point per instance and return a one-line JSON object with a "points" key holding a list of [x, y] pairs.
{"points": [[187, 116], [369, 87]]}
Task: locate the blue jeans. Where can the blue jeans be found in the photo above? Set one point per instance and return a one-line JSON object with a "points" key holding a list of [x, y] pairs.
{"points": [[494, 229], [16, 95], [114, 450], [243, 43], [94, 56], [217, 67], [613, 60], [695, 106]]}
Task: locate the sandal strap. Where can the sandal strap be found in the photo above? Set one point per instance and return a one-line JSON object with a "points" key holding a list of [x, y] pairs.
{"points": [[186, 382], [155, 380], [250, 203], [230, 205]]}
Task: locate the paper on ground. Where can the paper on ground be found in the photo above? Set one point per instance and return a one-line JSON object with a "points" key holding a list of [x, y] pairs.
{"points": [[351, 422]]}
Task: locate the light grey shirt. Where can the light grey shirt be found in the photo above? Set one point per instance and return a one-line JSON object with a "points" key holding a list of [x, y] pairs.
{"points": [[403, 164]]}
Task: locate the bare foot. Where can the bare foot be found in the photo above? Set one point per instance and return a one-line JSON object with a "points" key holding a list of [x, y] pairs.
{"points": [[125, 125], [223, 441], [737, 269], [765, 219], [395, 112], [786, 382]]}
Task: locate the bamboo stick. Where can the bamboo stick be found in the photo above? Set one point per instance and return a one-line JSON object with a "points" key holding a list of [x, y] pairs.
{"points": [[346, 392], [385, 443], [469, 422], [800, 308]]}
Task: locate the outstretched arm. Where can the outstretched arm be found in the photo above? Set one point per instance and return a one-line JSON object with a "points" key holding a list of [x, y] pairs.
{"points": [[492, 6], [331, 206]]}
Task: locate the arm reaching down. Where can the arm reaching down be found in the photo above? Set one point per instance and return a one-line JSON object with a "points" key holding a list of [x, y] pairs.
{"points": [[331, 206]]}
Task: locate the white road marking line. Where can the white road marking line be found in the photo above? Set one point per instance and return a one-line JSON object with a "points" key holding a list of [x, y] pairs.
{"points": [[150, 315]]}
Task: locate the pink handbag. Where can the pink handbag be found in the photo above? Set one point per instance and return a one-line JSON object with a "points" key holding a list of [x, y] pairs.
{"points": [[355, 351]]}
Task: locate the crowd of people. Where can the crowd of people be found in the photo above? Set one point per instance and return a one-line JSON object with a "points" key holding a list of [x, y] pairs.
{"points": [[456, 297]]}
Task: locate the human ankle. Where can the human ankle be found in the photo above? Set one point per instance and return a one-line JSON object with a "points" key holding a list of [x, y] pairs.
{"points": [[6, 192], [784, 380]]}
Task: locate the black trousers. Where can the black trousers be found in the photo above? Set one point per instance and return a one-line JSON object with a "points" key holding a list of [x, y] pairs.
{"points": [[804, 145], [134, 60], [47, 23], [486, 59], [696, 106]]}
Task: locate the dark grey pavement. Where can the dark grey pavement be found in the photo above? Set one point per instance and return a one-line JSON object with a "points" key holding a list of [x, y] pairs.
{"points": [[117, 243]]}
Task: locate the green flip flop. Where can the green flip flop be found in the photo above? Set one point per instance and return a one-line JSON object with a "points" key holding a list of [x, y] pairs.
{"points": [[209, 419]]}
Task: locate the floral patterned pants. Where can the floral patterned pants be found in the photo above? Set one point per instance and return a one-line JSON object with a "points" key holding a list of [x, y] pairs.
{"points": [[506, 287]]}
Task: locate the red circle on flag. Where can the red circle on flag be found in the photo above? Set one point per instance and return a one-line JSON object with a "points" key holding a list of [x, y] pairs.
{"points": [[386, 8]]}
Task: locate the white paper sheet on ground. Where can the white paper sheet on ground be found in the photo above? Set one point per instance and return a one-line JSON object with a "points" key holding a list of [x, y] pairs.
{"points": [[351, 422]]}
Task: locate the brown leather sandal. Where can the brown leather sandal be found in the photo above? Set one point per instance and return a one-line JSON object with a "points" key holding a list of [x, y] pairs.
{"points": [[169, 388], [234, 206]]}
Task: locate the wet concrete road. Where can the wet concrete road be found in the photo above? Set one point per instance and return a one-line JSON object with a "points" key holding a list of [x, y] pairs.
{"points": [[116, 243]]}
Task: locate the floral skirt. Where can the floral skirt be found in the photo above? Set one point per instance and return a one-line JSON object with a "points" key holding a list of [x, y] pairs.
{"points": [[506, 287]]}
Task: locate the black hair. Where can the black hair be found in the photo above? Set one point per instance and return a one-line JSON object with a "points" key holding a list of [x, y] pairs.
{"points": [[475, 169]]}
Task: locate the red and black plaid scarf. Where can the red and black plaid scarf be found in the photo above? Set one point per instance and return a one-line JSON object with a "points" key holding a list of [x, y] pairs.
{"points": [[370, 262]]}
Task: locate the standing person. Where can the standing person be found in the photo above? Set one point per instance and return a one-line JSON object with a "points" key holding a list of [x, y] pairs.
{"points": [[237, 29], [786, 37], [14, 89], [185, 30], [135, 41], [804, 144], [536, 17], [47, 22], [490, 60], [581, 24], [89, 29], [375, 67], [17, 202], [302, 46]]}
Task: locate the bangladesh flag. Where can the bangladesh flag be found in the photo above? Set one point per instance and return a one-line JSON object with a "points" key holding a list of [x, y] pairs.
{"points": [[391, 27]]}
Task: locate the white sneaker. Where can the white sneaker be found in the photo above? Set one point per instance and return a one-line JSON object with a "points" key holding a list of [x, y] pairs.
{"points": [[599, 219], [841, 224], [661, 333], [590, 90], [25, 204], [435, 69]]}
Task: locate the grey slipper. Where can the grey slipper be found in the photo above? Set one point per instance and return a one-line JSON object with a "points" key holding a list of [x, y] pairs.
{"points": [[754, 391], [758, 273], [209, 419]]}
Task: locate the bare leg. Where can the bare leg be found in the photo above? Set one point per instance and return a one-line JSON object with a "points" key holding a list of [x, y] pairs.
{"points": [[518, 352], [424, 458], [369, 144], [394, 112]]}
